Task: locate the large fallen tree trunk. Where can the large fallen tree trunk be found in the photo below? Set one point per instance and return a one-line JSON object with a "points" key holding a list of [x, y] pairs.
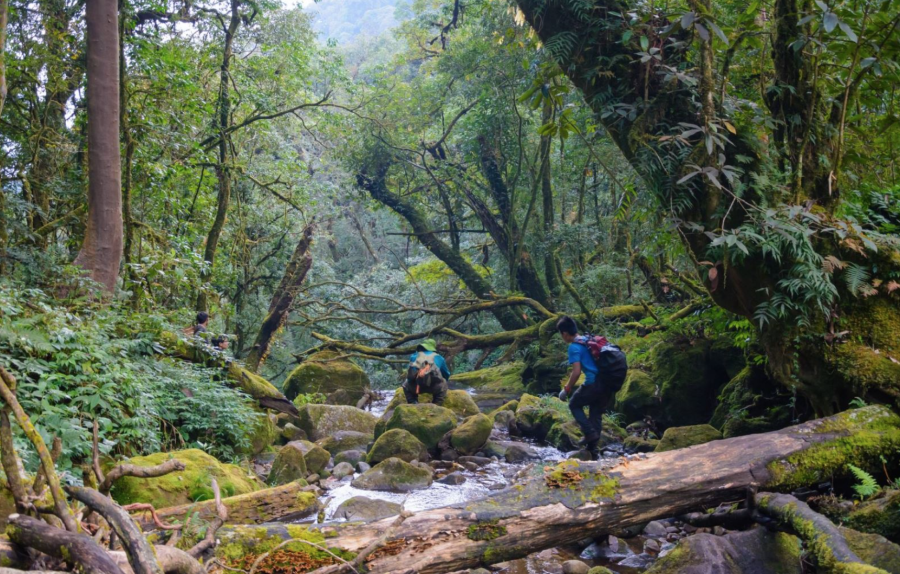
{"points": [[575, 500]]}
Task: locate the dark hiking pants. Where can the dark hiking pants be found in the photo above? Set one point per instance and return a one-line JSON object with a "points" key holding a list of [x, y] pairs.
{"points": [[427, 384], [595, 398]]}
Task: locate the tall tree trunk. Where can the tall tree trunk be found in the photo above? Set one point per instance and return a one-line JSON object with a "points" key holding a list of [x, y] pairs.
{"points": [[101, 251], [4, 19], [280, 306], [376, 185], [547, 200], [223, 170]]}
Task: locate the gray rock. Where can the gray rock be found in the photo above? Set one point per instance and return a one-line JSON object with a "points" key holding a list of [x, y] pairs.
{"points": [[342, 469], [582, 455], [291, 432], [313, 478], [366, 509], [363, 466], [453, 478], [345, 440], [575, 567], [520, 452], [351, 456], [394, 475], [651, 545], [479, 460], [756, 551], [655, 528]]}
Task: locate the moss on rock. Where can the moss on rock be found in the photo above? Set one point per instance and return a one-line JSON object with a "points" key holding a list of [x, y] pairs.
{"points": [[241, 545], [190, 485], [751, 551], [458, 401], [426, 421], [346, 440], [325, 373], [316, 457], [640, 444], [471, 434], [265, 433], [500, 381], [878, 516], [394, 475], [683, 437], [638, 396], [321, 421], [399, 443], [874, 550], [289, 465]]}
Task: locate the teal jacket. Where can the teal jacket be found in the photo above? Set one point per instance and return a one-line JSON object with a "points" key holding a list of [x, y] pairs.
{"points": [[439, 362]]}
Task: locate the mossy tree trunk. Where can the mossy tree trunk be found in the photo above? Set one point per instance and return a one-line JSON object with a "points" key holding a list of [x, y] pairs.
{"points": [[643, 109]]}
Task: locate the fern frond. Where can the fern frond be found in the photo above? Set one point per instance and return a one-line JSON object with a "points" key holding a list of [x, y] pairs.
{"points": [[867, 485]]}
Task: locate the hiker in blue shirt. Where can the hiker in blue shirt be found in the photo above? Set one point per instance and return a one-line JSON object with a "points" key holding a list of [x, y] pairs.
{"points": [[427, 373], [592, 394]]}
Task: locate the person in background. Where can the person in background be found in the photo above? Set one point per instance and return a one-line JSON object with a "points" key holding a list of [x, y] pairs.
{"points": [[220, 342], [200, 326], [598, 388], [427, 373]]}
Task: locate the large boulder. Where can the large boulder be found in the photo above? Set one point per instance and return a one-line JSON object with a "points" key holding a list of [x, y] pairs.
{"points": [[324, 373], [315, 456], [750, 403], [320, 421], [638, 397], [756, 551], [345, 440], [683, 437], [536, 416], [399, 443], [289, 465], [494, 385], [471, 435], [874, 550], [364, 509], [264, 433], [880, 515], [394, 475], [426, 421], [190, 485], [458, 401]]}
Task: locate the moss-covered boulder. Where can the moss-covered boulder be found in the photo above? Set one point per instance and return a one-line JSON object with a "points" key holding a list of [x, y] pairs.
{"points": [[394, 475], [291, 432], [289, 465], [471, 434], [426, 421], [493, 385], [321, 421], [507, 406], [325, 373], [458, 401], [345, 440], [638, 396], [536, 416], [190, 485], [751, 403], [315, 456], [398, 443], [641, 444], [874, 550], [265, 433], [754, 551], [566, 435], [364, 509], [879, 515], [683, 437]]}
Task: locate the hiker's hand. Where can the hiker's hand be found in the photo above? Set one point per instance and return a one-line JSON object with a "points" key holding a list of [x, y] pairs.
{"points": [[564, 395]]}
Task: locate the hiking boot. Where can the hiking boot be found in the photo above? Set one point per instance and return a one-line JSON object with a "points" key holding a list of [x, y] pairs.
{"points": [[589, 441]]}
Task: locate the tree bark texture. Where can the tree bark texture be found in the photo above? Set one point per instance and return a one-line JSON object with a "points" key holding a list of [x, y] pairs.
{"points": [[101, 252]]}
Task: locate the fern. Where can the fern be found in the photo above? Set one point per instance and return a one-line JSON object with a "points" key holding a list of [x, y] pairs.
{"points": [[857, 278], [867, 485]]}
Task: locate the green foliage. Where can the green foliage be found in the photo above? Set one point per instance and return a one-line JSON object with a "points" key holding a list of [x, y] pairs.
{"points": [[309, 399], [866, 485]]}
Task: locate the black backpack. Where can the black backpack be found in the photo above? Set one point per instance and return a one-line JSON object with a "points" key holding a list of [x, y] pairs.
{"points": [[612, 364]]}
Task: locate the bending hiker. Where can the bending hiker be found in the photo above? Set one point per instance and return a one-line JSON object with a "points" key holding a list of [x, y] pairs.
{"points": [[604, 367], [427, 373]]}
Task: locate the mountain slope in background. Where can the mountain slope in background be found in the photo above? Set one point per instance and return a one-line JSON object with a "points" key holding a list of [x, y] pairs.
{"points": [[345, 20]]}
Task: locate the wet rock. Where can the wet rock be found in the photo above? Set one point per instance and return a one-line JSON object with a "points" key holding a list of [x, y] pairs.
{"points": [[351, 456], [655, 528], [575, 567], [520, 452], [638, 396], [346, 440], [879, 515], [471, 434], [394, 475], [324, 373], [755, 551], [535, 417], [874, 549], [651, 546], [289, 465], [683, 437], [363, 466], [426, 421], [495, 448], [398, 443], [639, 444], [503, 419], [321, 421], [637, 561], [581, 455], [477, 460], [316, 457], [361, 508], [313, 478], [454, 478], [342, 469], [458, 401]]}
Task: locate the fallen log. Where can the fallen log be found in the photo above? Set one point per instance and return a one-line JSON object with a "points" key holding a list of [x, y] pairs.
{"points": [[576, 499], [73, 547], [286, 502]]}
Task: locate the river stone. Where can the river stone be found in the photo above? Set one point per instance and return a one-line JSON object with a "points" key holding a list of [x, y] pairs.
{"points": [[399, 443], [655, 528], [345, 440], [291, 432], [461, 403], [351, 456], [426, 421], [471, 435], [342, 469], [321, 373], [520, 452], [264, 433], [454, 478], [361, 508], [394, 475], [640, 444], [495, 448], [316, 457], [755, 551], [363, 466], [289, 465], [476, 460], [340, 397], [503, 419], [575, 567], [600, 570], [683, 437], [321, 421]]}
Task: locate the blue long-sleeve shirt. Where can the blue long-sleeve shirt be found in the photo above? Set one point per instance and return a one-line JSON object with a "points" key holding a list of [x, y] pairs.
{"points": [[439, 362]]}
